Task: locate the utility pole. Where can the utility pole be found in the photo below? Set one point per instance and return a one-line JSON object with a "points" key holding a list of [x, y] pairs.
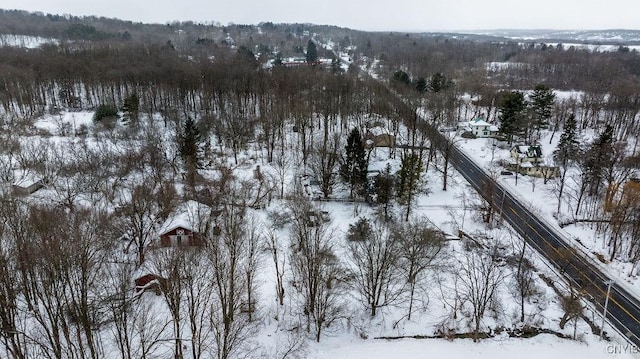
{"points": [[609, 283]]}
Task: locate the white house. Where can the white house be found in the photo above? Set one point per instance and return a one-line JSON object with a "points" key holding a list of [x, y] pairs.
{"points": [[481, 128]]}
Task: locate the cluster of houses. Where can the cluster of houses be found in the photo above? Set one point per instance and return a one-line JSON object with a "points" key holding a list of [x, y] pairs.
{"points": [[524, 159]]}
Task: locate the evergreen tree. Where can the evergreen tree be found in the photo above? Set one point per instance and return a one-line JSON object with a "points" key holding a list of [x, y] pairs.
{"points": [[409, 179], [355, 164], [512, 109], [107, 116], [383, 186], [360, 231], [104, 113], [597, 158], [439, 82], [336, 66], [191, 145], [131, 108], [312, 52], [278, 60], [402, 77], [542, 100], [422, 85], [568, 148]]}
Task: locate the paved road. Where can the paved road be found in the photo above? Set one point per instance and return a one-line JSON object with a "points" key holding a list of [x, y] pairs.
{"points": [[623, 310]]}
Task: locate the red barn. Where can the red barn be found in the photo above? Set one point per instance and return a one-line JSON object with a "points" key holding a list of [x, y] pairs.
{"points": [[181, 228], [180, 235]]}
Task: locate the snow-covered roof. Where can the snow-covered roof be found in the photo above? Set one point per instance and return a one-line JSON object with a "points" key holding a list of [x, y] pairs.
{"points": [[378, 131], [26, 180], [479, 122], [188, 215], [529, 151]]}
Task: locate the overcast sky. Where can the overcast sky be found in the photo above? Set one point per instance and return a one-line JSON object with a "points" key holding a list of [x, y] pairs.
{"points": [[399, 15]]}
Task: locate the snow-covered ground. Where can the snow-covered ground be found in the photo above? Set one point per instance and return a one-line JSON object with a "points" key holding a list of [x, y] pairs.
{"points": [[449, 211], [541, 198], [542, 346], [30, 42], [444, 210]]}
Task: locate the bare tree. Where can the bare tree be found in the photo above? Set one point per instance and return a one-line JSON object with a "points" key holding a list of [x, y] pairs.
{"points": [[142, 212], [374, 264], [198, 292], [170, 267], [479, 277], [10, 323], [120, 304], [419, 245], [324, 163], [279, 262], [318, 273], [525, 285], [230, 256], [148, 326], [573, 308]]}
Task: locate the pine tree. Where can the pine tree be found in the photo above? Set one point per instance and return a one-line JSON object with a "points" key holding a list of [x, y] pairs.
{"points": [[131, 108], [402, 77], [409, 180], [191, 145], [597, 158], [542, 101], [336, 66], [383, 186], [439, 82], [422, 85], [512, 108], [355, 164], [312, 52], [568, 148]]}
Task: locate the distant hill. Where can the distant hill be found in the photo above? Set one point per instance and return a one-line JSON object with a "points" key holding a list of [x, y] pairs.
{"points": [[599, 37]]}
